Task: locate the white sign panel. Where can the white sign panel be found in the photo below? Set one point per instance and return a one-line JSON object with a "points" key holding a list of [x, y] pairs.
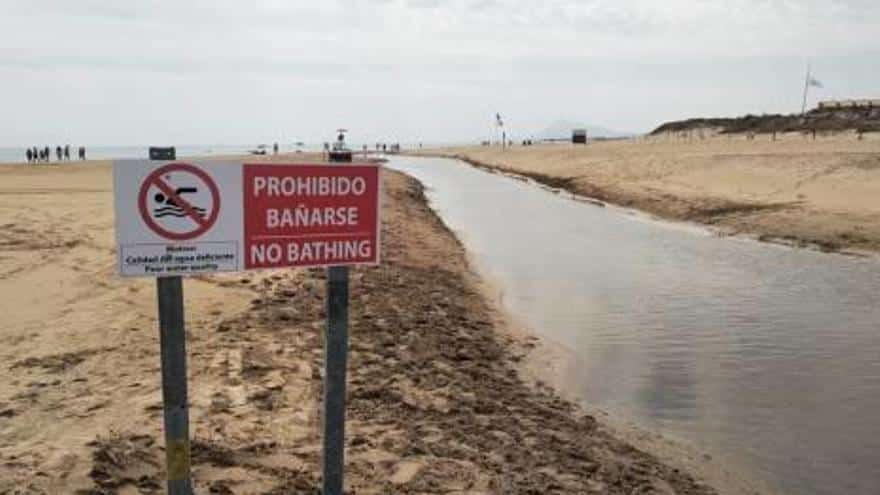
{"points": [[177, 218]]}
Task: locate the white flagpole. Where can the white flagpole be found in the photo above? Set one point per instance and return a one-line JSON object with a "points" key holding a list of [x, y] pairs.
{"points": [[806, 89]]}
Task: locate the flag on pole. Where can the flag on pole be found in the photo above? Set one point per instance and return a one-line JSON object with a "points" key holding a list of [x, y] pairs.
{"points": [[808, 83], [498, 120]]}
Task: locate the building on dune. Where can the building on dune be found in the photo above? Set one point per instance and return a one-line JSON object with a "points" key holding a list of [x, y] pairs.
{"points": [[850, 103]]}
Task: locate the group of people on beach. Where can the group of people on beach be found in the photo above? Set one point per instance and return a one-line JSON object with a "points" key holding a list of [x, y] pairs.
{"points": [[36, 155]]}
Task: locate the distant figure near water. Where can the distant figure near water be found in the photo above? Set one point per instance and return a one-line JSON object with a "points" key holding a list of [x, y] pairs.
{"points": [[44, 153]]}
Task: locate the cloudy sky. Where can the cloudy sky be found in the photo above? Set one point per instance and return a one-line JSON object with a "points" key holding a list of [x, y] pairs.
{"points": [[224, 71]]}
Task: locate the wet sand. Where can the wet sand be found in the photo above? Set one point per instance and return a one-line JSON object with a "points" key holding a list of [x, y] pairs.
{"points": [[437, 399], [823, 193]]}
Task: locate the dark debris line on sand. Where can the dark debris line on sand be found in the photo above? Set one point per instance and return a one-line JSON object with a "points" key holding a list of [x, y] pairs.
{"points": [[431, 383]]}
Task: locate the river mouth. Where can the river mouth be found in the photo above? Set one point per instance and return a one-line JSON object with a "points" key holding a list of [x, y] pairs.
{"points": [[767, 355]]}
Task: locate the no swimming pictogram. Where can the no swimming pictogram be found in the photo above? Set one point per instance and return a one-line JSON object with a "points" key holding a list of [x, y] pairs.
{"points": [[179, 202]]}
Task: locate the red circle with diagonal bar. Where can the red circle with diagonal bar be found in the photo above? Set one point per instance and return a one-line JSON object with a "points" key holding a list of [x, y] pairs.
{"points": [[202, 224]]}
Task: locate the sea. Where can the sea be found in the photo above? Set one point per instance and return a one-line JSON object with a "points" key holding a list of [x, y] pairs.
{"points": [[18, 154]]}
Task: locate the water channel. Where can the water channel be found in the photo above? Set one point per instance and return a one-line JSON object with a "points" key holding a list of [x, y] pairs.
{"points": [[768, 355]]}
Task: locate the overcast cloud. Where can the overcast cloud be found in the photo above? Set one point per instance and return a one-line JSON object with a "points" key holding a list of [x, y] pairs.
{"points": [[223, 71]]}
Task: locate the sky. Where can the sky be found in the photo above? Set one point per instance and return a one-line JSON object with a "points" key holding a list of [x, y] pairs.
{"points": [[107, 72]]}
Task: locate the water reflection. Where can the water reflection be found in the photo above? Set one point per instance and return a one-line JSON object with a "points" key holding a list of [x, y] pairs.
{"points": [[763, 353]]}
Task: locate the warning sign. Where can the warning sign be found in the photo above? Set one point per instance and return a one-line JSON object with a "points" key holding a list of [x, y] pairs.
{"points": [[188, 218], [310, 215]]}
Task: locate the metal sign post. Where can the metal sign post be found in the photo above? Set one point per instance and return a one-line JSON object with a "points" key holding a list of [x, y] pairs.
{"points": [[335, 365], [335, 362], [172, 340], [174, 396]]}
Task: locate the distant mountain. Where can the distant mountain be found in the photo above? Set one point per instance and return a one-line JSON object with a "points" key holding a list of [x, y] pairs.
{"points": [[561, 129]]}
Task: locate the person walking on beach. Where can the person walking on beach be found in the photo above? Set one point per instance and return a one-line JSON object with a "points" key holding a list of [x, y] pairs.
{"points": [[58, 153], [67, 152], [29, 155], [47, 153], [275, 149], [82, 152]]}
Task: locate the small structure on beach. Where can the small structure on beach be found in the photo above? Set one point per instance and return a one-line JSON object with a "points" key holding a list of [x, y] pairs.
{"points": [[162, 153], [340, 152], [579, 136]]}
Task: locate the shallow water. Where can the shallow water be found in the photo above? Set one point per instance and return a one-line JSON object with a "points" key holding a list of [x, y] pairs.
{"points": [[767, 355]]}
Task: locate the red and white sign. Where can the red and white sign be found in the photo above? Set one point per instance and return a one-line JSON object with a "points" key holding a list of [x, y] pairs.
{"points": [[310, 215], [183, 218]]}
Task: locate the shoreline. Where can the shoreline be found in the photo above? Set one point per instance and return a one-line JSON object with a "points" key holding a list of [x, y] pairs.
{"points": [[285, 156], [436, 398], [788, 223], [553, 185]]}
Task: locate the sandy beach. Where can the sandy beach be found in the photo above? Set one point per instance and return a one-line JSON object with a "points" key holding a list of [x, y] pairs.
{"points": [[439, 401], [823, 193]]}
